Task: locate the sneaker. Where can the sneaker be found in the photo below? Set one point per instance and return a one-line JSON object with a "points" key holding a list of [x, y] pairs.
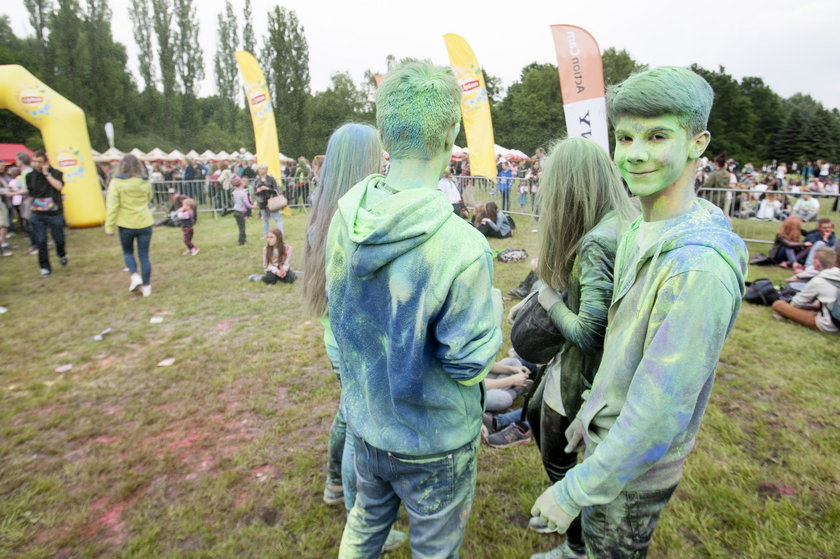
{"points": [[44, 272], [5, 252], [63, 260], [255, 277], [488, 425], [538, 525], [512, 435], [562, 552], [394, 540], [146, 290], [333, 494], [136, 282], [187, 252], [32, 251], [194, 251]]}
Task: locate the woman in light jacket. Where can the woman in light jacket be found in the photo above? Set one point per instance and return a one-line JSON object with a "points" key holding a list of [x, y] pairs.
{"points": [[129, 194]]}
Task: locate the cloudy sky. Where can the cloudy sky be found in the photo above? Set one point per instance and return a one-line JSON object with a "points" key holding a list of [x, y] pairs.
{"points": [[792, 45]]}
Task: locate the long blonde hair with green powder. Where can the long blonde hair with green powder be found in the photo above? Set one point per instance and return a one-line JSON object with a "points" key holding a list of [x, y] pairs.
{"points": [[578, 187]]}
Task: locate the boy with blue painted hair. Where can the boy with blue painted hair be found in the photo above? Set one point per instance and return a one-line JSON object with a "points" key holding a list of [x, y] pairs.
{"points": [[416, 324], [679, 279]]}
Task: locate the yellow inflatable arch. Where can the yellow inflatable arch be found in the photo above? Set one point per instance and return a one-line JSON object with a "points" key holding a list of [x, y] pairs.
{"points": [[63, 127]]}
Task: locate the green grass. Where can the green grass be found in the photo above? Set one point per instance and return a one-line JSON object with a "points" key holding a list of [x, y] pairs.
{"points": [[223, 453]]}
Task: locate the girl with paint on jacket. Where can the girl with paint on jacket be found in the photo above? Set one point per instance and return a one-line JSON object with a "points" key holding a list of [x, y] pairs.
{"points": [[127, 210], [585, 210]]}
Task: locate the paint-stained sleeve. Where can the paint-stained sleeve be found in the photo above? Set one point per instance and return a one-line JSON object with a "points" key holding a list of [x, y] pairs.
{"points": [[586, 328], [687, 327], [466, 330]]}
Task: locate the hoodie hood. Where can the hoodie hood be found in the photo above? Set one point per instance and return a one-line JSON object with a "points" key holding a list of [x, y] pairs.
{"points": [[703, 225], [383, 223]]}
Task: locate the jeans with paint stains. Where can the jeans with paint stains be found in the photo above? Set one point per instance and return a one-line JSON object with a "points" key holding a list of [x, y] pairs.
{"points": [[437, 491], [623, 528]]}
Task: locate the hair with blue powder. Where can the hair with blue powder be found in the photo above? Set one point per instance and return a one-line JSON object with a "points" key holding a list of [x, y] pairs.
{"points": [[416, 104], [667, 90], [353, 153]]}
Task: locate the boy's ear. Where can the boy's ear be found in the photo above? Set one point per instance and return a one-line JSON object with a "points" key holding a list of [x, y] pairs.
{"points": [[699, 144], [451, 135]]}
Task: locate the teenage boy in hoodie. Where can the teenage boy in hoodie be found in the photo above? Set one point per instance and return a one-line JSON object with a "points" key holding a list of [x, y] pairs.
{"points": [[415, 321], [679, 281]]}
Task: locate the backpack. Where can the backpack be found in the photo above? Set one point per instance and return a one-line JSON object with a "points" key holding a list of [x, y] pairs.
{"points": [[511, 222], [761, 292], [512, 255], [834, 311]]}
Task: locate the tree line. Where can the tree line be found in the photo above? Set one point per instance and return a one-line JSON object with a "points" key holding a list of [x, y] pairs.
{"points": [[73, 50]]}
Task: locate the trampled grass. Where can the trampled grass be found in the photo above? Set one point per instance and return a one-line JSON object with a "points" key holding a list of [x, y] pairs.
{"points": [[222, 454]]}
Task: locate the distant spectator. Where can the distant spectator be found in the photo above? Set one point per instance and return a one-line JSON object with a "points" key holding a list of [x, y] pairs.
{"points": [[769, 209], [811, 307], [788, 242], [495, 223], [807, 208], [447, 185], [823, 259]]}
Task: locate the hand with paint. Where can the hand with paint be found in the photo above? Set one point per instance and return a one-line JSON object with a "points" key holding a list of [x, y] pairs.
{"points": [[547, 509], [574, 434], [548, 297]]}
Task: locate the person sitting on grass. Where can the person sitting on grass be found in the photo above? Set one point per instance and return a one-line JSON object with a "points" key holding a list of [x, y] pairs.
{"points": [[788, 246], [811, 307], [508, 379], [822, 236], [823, 259], [679, 281], [494, 223], [807, 208], [276, 260]]}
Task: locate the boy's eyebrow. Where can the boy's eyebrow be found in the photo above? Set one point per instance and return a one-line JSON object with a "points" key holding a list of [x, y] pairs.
{"points": [[658, 128]]}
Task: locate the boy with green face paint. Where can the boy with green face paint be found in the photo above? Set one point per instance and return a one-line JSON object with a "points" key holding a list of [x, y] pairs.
{"points": [[415, 320], [679, 279]]}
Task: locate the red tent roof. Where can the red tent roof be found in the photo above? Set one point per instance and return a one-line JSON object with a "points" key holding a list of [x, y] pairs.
{"points": [[8, 152]]}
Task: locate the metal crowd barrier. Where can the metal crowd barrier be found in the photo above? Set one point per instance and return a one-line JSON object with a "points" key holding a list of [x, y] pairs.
{"points": [[210, 196], [480, 190], [742, 207]]}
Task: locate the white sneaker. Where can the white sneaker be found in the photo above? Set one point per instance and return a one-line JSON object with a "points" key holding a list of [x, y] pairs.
{"points": [[136, 281], [146, 290]]}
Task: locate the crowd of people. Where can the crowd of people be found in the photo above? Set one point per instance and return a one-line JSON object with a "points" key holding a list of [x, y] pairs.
{"points": [[640, 293], [771, 193]]}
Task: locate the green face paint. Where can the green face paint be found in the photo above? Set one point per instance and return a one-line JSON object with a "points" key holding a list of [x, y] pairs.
{"points": [[652, 153]]}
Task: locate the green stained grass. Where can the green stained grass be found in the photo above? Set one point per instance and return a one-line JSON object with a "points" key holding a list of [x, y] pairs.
{"points": [[222, 454]]}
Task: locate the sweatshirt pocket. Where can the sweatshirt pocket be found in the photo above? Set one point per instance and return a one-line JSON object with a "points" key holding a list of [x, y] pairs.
{"points": [[587, 414]]}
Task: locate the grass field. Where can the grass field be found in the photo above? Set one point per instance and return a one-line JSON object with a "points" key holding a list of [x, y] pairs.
{"points": [[222, 454]]}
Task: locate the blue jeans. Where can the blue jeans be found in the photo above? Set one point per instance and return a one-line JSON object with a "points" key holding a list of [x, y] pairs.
{"points": [[437, 491], [40, 223], [144, 239], [265, 214], [623, 528]]}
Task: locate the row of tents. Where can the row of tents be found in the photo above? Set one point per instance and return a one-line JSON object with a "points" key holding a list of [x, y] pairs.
{"points": [[113, 154]]}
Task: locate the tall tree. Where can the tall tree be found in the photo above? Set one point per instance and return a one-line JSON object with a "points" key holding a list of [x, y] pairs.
{"points": [[286, 55], [142, 20], [531, 114], [224, 61], [39, 17], [341, 102], [618, 65], [162, 13], [731, 117], [248, 39], [769, 116], [189, 57]]}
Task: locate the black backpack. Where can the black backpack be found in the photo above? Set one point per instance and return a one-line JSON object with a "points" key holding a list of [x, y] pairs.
{"points": [[761, 292]]}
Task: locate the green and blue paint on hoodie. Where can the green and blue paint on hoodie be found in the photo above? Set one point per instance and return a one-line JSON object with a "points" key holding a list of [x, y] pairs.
{"points": [[409, 291], [677, 294]]}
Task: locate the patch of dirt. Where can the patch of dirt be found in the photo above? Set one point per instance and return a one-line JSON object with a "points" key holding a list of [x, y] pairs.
{"points": [[770, 490]]}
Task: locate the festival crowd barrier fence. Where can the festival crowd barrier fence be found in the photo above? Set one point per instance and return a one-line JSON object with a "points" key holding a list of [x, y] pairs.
{"points": [[742, 206]]}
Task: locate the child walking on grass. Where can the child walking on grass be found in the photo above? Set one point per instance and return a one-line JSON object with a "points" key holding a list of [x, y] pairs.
{"points": [[277, 260], [187, 216]]}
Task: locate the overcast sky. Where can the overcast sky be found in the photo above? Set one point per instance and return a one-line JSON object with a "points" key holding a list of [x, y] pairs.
{"points": [[793, 45]]}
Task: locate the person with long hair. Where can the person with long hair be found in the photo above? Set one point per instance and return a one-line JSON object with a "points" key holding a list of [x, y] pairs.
{"points": [[788, 244], [353, 153], [495, 223], [265, 188], [585, 210], [129, 194]]}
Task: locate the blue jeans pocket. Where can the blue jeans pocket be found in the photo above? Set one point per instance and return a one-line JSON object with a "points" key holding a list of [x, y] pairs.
{"points": [[428, 482]]}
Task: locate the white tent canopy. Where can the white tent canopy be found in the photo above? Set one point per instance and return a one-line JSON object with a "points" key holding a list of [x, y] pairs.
{"points": [[221, 156], [158, 154], [111, 154], [176, 155], [286, 159], [207, 155], [138, 154], [192, 154]]}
